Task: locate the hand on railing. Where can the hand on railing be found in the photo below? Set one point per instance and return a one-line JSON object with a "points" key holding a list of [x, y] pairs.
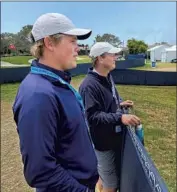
{"points": [[138, 128], [126, 103], [130, 120]]}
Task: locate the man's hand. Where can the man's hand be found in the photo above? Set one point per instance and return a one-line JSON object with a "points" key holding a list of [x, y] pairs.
{"points": [[130, 120], [126, 103]]}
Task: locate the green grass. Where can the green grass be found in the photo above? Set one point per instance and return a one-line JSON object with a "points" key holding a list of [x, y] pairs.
{"points": [[8, 92], [24, 59], [17, 59], [156, 107], [84, 59], [159, 65]]}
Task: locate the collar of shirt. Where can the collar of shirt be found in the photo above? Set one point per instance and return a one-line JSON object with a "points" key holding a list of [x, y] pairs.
{"points": [[103, 80], [66, 76], [94, 70]]}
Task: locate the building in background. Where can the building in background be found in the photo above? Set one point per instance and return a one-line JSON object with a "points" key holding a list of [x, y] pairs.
{"points": [[156, 52], [169, 54]]}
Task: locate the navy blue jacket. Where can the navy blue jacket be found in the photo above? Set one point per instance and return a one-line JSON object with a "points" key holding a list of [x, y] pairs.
{"points": [[101, 110], [56, 149]]}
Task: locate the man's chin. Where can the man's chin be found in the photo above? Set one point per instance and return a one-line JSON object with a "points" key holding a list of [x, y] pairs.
{"points": [[72, 65], [113, 66]]}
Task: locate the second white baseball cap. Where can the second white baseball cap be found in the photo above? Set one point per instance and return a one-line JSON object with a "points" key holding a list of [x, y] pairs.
{"points": [[100, 48]]}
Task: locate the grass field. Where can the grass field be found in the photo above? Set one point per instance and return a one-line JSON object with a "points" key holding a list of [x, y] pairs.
{"points": [[24, 59], [159, 66], [17, 59], [83, 59], [156, 106]]}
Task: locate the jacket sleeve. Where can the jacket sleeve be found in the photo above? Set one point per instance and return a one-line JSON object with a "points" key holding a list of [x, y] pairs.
{"points": [[37, 122], [93, 110]]}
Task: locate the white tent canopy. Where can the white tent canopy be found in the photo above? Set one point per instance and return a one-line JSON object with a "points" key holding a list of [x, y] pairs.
{"points": [[156, 52], [168, 54]]}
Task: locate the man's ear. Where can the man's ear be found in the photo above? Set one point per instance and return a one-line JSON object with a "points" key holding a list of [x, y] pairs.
{"points": [[100, 59], [48, 43]]}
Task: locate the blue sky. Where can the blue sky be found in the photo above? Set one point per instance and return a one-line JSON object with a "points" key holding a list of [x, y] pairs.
{"points": [[148, 21]]}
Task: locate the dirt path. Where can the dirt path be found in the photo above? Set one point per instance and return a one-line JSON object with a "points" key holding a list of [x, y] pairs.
{"points": [[12, 178]]}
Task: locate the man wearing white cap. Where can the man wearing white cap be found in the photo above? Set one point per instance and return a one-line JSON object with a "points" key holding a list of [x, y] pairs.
{"points": [[104, 113], [56, 148]]}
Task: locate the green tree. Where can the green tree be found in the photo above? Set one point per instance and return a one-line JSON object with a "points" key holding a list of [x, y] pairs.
{"points": [[107, 37], [6, 40], [136, 46], [21, 41], [86, 49]]}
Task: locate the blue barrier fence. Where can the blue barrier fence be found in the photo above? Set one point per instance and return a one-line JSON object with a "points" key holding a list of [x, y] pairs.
{"points": [[14, 74], [120, 76], [140, 77], [139, 173], [136, 56], [124, 64]]}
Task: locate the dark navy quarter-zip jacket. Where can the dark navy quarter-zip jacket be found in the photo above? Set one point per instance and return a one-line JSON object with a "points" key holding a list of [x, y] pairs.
{"points": [[101, 110], [57, 153]]}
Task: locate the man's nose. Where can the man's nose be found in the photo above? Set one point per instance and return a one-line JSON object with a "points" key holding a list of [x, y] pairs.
{"points": [[77, 48]]}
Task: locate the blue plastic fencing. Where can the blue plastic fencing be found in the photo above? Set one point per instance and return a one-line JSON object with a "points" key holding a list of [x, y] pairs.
{"points": [[121, 74], [124, 64], [136, 56], [14, 74], [17, 74], [139, 173], [140, 77]]}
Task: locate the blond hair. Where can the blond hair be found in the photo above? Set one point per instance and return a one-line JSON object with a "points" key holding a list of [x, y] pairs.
{"points": [[37, 49], [95, 60]]}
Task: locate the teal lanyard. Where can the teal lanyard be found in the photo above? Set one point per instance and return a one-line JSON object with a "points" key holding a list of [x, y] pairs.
{"points": [[41, 71]]}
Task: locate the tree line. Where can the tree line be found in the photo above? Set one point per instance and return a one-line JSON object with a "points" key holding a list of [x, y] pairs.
{"points": [[22, 44]]}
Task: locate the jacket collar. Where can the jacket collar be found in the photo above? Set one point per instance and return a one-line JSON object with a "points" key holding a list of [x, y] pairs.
{"points": [[101, 79], [66, 76]]}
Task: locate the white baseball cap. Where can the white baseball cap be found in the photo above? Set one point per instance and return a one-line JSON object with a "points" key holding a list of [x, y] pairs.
{"points": [[54, 23], [100, 48]]}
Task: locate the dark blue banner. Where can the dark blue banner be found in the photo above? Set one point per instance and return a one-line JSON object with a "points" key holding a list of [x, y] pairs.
{"points": [[139, 173]]}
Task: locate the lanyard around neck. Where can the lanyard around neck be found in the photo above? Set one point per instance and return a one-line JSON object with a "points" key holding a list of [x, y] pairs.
{"points": [[114, 91], [41, 71]]}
